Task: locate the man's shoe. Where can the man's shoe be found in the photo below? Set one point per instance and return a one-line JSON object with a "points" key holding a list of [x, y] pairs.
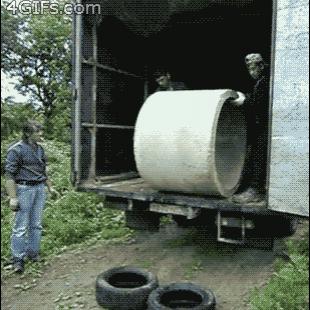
{"points": [[251, 195], [18, 266]]}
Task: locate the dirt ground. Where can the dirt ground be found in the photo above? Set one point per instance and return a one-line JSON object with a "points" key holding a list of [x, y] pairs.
{"points": [[173, 254]]}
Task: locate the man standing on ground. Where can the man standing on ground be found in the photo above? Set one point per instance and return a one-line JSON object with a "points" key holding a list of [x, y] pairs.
{"points": [[257, 115], [26, 178], [165, 83]]}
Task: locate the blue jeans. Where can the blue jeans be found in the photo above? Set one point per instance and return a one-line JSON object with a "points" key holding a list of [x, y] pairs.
{"points": [[27, 228]]}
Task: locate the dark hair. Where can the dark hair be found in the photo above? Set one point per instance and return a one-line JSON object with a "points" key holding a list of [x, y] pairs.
{"points": [[29, 128], [161, 72]]}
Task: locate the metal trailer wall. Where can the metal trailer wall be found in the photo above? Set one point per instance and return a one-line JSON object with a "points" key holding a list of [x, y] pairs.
{"points": [[289, 167]]}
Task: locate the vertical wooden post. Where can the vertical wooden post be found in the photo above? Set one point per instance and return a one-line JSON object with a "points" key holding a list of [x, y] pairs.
{"points": [[78, 23], [93, 130]]}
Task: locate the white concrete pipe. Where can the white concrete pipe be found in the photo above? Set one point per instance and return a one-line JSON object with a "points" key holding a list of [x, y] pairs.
{"points": [[191, 142]]}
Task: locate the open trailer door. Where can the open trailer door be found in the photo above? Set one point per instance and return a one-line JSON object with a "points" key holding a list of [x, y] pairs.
{"points": [[289, 165]]}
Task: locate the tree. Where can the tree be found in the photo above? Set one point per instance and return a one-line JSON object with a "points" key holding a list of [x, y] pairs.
{"points": [[36, 50], [14, 115], [10, 29]]}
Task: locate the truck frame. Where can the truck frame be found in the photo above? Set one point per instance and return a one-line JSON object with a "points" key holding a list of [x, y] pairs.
{"points": [[115, 53]]}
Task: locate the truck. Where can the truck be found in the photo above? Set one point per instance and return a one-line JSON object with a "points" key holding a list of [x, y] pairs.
{"points": [[117, 49]]}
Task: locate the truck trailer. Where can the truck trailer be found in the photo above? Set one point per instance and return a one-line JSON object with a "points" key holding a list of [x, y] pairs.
{"points": [[116, 51]]}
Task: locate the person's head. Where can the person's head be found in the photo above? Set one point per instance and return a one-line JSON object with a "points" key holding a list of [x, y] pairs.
{"points": [[32, 131], [163, 79], [255, 65]]}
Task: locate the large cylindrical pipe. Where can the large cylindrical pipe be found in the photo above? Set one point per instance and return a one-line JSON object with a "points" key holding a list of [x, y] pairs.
{"points": [[191, 142]]}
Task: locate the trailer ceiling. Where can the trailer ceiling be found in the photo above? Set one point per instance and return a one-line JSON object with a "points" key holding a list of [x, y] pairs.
{"points": [[146, 17]]}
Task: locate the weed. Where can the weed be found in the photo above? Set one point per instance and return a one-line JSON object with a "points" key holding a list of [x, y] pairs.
{"points": [[166, 220], [146, 264], [187, 239], [191, 269], [289, 286]]}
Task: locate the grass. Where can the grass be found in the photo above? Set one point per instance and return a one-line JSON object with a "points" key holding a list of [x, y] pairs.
{"points": [[145, 263], [201, 241], [288, 288], [74, 218], [188, 238], [192, 269]]}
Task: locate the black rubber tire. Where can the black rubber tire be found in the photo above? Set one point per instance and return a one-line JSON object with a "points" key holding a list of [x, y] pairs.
{"points": [[286, 227], [125, 288], [277, 226], [181, 296]]}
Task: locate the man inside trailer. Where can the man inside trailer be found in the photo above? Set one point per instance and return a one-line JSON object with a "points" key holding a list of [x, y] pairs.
{"points": [[165, 83], [256, 107]]}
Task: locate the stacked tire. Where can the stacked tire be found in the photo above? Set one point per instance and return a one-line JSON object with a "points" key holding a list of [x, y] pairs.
{"points": [[125, 288], [181, 296], [130, 288]]}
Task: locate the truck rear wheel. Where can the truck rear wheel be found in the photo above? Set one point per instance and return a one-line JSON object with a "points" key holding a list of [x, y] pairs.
{"points": [[125, 288], [277, 226], [286, 227], [181, 296]]}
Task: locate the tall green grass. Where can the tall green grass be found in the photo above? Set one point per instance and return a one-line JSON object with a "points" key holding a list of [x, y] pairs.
{"points": [[288, 289]]}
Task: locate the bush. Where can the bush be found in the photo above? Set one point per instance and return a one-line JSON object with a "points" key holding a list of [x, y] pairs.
{"points": [[288, 289], [13, 116]]}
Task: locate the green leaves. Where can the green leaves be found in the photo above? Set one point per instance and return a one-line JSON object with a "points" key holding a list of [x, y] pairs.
{"points": [[14, 115], [36, 49], [289, 286]]}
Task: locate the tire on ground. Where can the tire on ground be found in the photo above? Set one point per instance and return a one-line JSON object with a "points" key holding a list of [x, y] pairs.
{"points": [[125, 288], [181, 296]]}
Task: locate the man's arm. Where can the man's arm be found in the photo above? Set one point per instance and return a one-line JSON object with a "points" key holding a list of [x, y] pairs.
{"points": [[261, 97], [184, 86], [50, 187], [11, 191], [180, 86], [10, 186], [238, 102], [11, 168], [54, 193]]}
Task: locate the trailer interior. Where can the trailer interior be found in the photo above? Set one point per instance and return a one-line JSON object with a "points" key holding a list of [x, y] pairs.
{"points": [[204, 48]]}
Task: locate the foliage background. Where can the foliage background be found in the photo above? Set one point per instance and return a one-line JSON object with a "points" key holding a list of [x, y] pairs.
{"points": [[36, 50]]}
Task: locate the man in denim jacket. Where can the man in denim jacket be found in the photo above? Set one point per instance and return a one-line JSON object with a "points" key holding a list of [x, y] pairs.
{"points": [[26, 179]]}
